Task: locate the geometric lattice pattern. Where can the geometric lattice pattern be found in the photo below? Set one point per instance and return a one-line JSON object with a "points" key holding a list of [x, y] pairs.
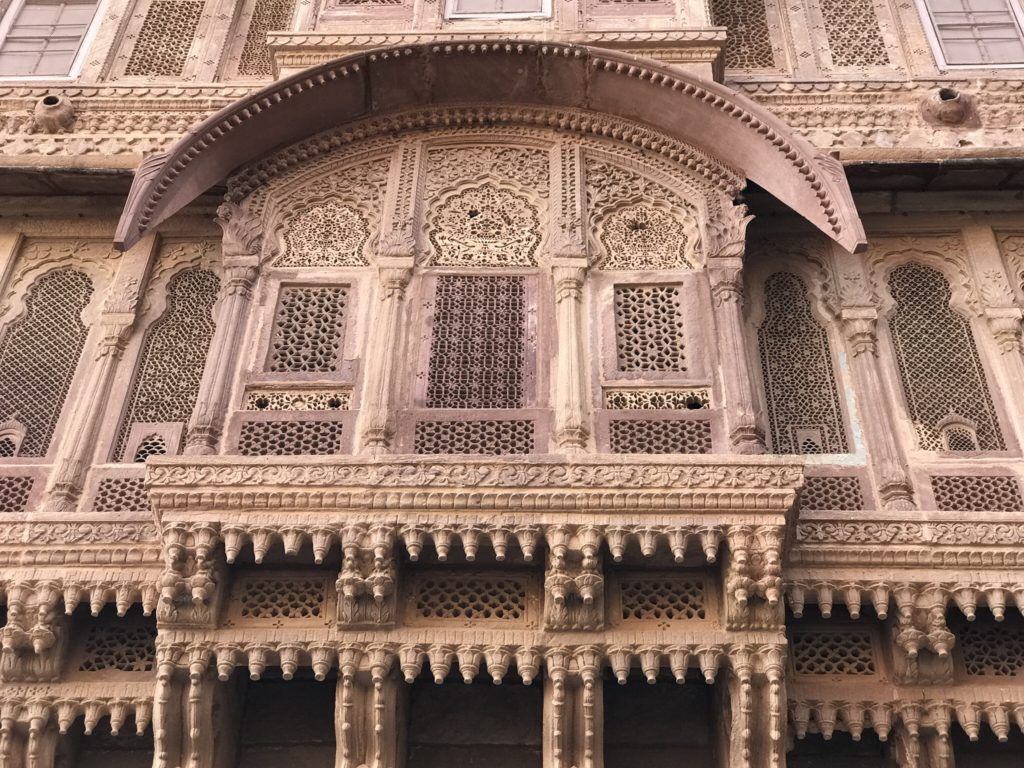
{"points": [[668, 436], [290, 438], [121, 494], [267, 16], [854, 36], [309, 328], [119, 646], [493, 438], [173, 355], [992, 650], [14, 493], [39, 353], [831, 493], [977, 493], [646, 598], [938, 361], [478, 346], [749, 42], [649, 328], [162, 46], [656, 399], [153, 445], [470, 598], [325, 235], [796, 362], [273, 599], [832, 653]]}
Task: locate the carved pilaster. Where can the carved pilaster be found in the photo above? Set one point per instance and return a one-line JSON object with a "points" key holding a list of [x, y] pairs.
{"points": [[571, 418], [384, 354], [116, 322], [573, 581], [241, 247], [742, 413]]}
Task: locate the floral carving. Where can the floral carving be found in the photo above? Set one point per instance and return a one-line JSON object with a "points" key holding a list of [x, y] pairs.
{"points": [[485, 226]]}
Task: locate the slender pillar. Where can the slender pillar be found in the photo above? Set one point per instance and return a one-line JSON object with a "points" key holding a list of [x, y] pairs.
{"points": [[571, 417], [383, 356], [116, 321], [742, 413], [859, 318], [241, 247]]}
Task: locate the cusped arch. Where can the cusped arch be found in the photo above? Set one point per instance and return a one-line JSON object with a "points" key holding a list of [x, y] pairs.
{"points": [[644, 234], [580, 88]]}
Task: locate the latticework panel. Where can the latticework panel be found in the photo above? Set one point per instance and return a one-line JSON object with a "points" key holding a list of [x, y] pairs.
{"points": [[659, 436], [469, 598], [326, 235], [831, 493], [165, 38], [14, 493], [850, 652], [749, 44], [39, 353], [121, 494], [280, 599], [309, 328], [854, 35], [493, 438], [939, 367], [298, 400], [119, 646], [290, 438], [804, 413], [7, 447], [267, 15], [478, 346], [992, 650], [657, 399], [649, 328], [977, 493], [152, 445], [173, 355], [669, 598]]}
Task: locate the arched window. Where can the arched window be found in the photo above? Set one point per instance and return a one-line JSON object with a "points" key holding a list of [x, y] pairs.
{"points": [[173, 355], [39, 354], [804, 414], [943, 379]]}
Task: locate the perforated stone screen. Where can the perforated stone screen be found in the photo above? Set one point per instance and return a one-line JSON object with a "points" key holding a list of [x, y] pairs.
{"points": [[659, 436], [39, 353], [854, 35], [849, 652], [309, 328], [290, 438], [14, 493], [649, 328], [749, 42], [657, 399], [173, 355], [662, 598], [938, 360], [165, 38], [279, 600], [267, 16], [121, 494], [832, 493], [478, 345], [992, 650], [494, 438], [469, 598], [977, 493], [804, 413], [119, 645]]}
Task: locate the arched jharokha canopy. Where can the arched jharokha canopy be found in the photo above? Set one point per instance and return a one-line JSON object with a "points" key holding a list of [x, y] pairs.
{"points": [[705, 115]]}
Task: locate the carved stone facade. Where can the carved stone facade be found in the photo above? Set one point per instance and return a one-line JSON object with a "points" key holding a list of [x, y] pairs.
{"points": [[596, 384]]}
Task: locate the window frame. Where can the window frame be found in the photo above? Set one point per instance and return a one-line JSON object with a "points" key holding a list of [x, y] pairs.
{"points": [[450, 14], [935, 41], [14, 10]]}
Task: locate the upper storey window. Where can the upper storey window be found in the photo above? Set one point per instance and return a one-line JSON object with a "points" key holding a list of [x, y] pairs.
{"points": [[977, 32], [43, 37], [499, 9]]}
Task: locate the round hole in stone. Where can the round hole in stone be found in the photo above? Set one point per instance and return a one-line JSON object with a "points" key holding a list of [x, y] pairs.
{"points": [[51, 100], [948, 94]]}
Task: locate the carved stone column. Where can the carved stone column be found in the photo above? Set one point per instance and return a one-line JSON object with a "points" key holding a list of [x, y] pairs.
{"points": [[116, 321], [859, 319], [384, 356], [368, 701], [742, 414], [571, 416], [573, 709], [241, 247], [1002, 314]]}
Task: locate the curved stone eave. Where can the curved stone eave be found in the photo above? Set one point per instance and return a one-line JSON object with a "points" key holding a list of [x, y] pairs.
{"points": [[706, 115]]}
